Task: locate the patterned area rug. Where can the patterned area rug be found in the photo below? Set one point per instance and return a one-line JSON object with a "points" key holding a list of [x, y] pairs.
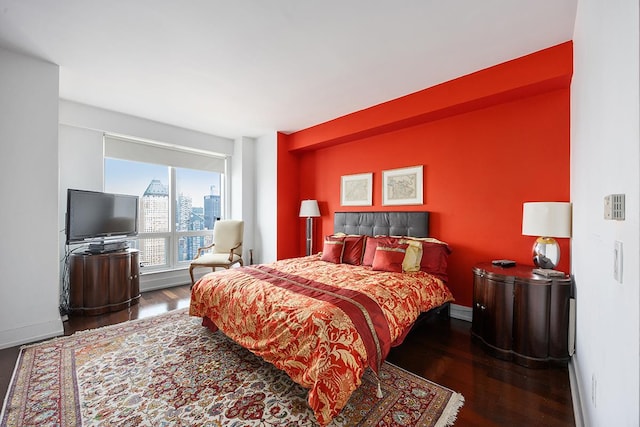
{"points": [[170, 371]]}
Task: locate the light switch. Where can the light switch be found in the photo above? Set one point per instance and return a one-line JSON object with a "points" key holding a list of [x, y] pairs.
{"points": [[617, 261]]}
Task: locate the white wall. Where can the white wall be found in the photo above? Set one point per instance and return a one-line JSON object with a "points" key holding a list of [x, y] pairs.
{"points": [[81, 165], [29, 189], [243, 191], [88, 117], [605, 159], [266, 148]]}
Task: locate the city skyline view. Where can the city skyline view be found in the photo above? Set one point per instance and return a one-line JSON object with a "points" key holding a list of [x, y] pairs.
{"points": [[130, 177], [197, 203]]}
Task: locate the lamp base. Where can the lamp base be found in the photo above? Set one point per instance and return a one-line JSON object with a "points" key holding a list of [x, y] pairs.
{"points": [[546, 252], [309, 236]]}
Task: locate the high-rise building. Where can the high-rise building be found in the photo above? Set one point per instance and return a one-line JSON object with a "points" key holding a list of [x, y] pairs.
{"points": [[154, 217], [192, 243], [212, 207], [183, 212]]}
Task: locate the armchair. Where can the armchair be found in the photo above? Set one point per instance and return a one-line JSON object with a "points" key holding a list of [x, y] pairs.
{"points": [[226, 249]]}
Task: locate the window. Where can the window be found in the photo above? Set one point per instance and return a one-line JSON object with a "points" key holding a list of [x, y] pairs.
{"points": [[178, 204], [198, 208]]}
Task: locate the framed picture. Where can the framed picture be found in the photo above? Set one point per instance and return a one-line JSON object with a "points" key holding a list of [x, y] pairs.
{"points": [[402, 186], [356, 190]]}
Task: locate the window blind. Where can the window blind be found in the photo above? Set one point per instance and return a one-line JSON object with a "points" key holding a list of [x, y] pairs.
{"points": [[162, 154]]}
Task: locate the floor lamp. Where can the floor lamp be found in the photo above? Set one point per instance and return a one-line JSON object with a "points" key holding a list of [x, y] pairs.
{"points": [[309, 209]]}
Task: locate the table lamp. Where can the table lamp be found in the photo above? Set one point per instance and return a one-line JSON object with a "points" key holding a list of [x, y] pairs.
{"points": [[309, 209], [546, 220]]}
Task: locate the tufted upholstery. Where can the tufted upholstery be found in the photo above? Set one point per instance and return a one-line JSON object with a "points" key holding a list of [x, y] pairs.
{"points": [[415, 224]]}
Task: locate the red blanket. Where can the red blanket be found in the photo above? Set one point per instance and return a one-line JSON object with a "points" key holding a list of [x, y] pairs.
{"points": [[365, 314], [308, 318]]}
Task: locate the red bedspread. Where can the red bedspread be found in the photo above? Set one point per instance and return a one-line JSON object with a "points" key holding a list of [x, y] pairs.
{"points": [[322, 323]]}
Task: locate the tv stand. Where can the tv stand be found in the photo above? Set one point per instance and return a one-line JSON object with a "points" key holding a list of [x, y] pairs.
{"points": [[103, 282]]}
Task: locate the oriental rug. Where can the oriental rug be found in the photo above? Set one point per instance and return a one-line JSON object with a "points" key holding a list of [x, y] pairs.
{"points": [[170, 371]]}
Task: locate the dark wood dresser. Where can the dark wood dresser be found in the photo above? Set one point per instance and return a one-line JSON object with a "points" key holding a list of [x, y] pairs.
{"points": [[101, 283], [521, 316]]}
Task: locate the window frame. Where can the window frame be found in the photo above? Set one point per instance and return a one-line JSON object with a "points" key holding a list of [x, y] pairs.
{"points": [[173, 236]]}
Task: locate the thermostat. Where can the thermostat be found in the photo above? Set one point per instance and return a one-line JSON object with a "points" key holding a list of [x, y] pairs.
{"points": [[614, 207]]}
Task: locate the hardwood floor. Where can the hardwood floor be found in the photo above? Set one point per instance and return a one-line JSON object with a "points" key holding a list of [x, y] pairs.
{"points": [[497, 393]]}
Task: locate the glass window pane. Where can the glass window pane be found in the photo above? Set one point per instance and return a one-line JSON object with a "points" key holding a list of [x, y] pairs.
{"points": [[196, 204], [149, 182], [198, 199], [188, 246], [153, 252]]}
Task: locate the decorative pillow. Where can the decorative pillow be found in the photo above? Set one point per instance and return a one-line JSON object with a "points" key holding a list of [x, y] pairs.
{"points": [[389, 257], [353, 250], [372, 244], [435, 255], [332, 250], [426, 239], [413, 256]]}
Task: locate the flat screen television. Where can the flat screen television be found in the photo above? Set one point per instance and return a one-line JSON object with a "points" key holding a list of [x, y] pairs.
{"points": [[93, 215]]}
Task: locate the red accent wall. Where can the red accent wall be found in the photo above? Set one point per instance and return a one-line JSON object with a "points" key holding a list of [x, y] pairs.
{"points": [[288, 194], [488, 142]]}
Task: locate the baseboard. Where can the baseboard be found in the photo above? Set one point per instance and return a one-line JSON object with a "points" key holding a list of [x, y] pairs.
{"points": [[576, 396], [461, 312], [31, 333], [163, 279], [155, 280]]}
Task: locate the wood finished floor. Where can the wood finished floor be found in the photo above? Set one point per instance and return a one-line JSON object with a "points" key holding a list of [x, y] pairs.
{"points": [[497, 393]]}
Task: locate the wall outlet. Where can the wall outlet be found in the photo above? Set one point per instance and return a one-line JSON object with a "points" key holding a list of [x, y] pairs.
{"points": [[617, 261]]}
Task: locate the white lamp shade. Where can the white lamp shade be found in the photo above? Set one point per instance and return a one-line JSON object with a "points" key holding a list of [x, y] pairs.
{"points": [[548, 219], [309, 208]]}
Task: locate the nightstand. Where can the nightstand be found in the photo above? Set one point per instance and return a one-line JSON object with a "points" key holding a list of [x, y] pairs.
{"points": [[520, 316]]}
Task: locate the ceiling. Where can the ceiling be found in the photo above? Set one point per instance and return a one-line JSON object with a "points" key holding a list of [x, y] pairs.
{"points": [[251, 67]]}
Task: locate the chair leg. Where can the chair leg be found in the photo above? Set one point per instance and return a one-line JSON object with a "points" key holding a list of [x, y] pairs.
{"points": [[191, 274]]}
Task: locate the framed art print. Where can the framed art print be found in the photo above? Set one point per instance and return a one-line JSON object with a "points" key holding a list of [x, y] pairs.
{"points": [[356, 190], [402, 186]]}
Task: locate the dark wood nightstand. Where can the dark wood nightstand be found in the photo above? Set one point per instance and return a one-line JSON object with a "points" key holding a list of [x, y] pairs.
{"points": [[521, 316], [102, 283]]}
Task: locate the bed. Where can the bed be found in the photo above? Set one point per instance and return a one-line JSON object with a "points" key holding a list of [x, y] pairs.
{"points": [[326, 318]]}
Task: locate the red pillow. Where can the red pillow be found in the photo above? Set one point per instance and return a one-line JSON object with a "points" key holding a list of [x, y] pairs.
{"points": [[332, 250], [353, 250], [371, 245], [389, 257], [434, 259]]}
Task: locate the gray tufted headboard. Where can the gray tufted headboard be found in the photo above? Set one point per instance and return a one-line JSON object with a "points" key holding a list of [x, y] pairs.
{"points": [[415, 224]]}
